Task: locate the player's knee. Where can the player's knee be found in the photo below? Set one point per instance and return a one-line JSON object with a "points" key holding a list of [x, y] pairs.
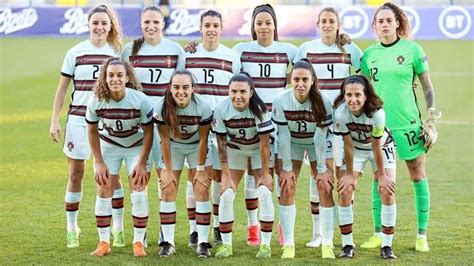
{"points": [[169, 192]]}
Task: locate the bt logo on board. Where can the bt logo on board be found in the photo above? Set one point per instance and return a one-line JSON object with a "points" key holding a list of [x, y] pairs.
{"points": [[355, 21], [455, 22]]}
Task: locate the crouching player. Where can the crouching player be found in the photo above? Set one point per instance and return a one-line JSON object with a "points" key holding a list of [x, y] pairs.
{"points": [[360, 119], [125, 134]]}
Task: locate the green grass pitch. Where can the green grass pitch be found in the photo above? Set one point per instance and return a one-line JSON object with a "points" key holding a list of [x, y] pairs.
{"points": [[33, 175]]}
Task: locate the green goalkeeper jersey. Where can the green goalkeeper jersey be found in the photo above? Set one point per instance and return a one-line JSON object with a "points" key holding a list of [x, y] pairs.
{"points": [[393, 69]]}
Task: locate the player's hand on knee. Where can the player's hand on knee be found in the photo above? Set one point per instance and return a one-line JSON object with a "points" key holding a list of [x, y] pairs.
{"points": [[266, 180], [226, 182], [202, 178], [287, 179], [167, 178], [140, 175], [345, 184], [102, 175], [387, 184], [429, 133], [327, 180]]}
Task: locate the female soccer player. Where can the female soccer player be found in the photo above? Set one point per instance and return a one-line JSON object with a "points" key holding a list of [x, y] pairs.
{"points": [[266, 60], [213, 65], [360, 119], [392, 65], [184, 120], [82, 65], [125, 134], [332, 62], [243, 128], [303, 116]]}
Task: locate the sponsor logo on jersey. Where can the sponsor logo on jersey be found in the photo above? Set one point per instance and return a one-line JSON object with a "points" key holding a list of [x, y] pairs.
{"points": [[400, 59], [15, 21]]}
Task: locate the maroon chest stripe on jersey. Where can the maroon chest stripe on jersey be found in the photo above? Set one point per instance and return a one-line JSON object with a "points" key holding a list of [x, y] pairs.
{"points": [[84, 85], [329, 58], [79, 110], [97, 59], [122, 114], [269, 82], [352, 126], [299, 116], [122, 133], [189, 120], [301, 135], [211, 89], [243, 141], [274, 58], [240, 123], [164, 61], [154, 89], [330, 84], [212, 63]]}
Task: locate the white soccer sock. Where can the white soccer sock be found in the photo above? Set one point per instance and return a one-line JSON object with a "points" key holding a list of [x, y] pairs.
{"points": [[226, 213], [287, 222], [389, 218], [168, 207], [267, 212], [346, 218], [139, 212], [71, 216], [117, 213], [203, 207], [191, 204], [314, 198], [251, 194], [216, 198], [327, 224], [103, 207]]}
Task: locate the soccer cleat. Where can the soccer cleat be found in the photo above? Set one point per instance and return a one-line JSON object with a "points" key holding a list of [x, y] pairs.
{"points": [[72, 238], [422, 244], [193, 239], [119, 239], [280, 235], [374, 241], [203, 250], [139, 249], [103, 249], [253, 238], [224, 251], [166, 249], [327, 252], [288, 252], [387, 253], [264, 252], [217, 236], [315, 241], [348, 251]]}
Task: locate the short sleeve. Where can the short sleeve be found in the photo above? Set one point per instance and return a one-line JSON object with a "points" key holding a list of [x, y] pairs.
{"points": [[300, 53], [278, 115], [329, 112], [157, 110], [146, 111], [206, 117], [356, 55], [340, 127], [91, 115], [363, 64], [69, 65], [265, 125], [378, 123], [218, 125], [126, 52], [291, 51], [236, 65], [420, 60], [181, 58]]}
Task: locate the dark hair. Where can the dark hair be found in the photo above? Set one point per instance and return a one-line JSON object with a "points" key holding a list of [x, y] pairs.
{"points": [[138, 43], [114, 38], [268, 9], [211, 13], [101, 88], [338, 38], [256, 105], [373, 102], [170, 109], [403, 30], [317, 103]]}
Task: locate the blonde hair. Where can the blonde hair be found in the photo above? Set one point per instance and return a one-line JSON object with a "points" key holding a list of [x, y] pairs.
{"points": [[101, 88], [114, 38], [403, 30]]}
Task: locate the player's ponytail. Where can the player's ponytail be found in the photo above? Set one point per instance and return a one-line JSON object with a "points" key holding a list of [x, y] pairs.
{"points": [[256, 105], [138, 43]]}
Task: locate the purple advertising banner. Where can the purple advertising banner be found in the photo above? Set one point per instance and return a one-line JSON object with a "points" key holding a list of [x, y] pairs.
{"points": [[450, 22]]}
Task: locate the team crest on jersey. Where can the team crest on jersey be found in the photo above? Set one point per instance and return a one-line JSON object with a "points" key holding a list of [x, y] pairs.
{"points": [[338, 126], [400, 59], [70, 145]]}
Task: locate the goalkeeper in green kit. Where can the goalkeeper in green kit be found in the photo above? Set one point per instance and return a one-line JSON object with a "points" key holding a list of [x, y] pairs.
{"points": [[393, 64]]}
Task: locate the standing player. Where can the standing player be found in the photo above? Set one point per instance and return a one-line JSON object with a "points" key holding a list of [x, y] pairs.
{"points": [[213, 65], [303, 116], [360, 119], [155, 58], [266, 60], [332, 63], [125, 134], [184, 120], [243, 128], [82, 65], [392, 64]]}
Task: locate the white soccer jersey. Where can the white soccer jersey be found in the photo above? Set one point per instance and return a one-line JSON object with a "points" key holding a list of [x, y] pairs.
{"points": [[267, 66], [331, 66], [197, 113], [82, 64], [213, 71], [120, 121], [242, 128], [361, 128], [154, 65], [298, 116]]}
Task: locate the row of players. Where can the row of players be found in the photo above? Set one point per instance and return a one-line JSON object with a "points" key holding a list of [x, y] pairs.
{"points": [[267, 60]]}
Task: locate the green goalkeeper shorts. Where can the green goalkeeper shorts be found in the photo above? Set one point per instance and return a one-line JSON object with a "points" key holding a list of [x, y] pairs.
{"points": [[409, 144]]}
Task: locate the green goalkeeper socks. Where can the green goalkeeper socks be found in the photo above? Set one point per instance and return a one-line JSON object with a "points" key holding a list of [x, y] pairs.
{"points": [[376, 206], [422, 204]]}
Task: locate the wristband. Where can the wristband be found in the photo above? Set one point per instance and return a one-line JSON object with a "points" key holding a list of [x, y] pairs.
{"points": [[200, 168]]}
